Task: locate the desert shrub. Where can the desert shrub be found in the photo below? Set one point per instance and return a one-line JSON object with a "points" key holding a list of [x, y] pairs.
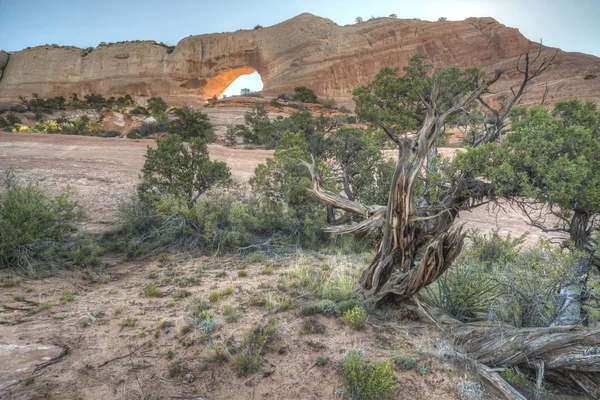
{"points": [[191, 123], [40, 106], [235, 131], [529, 285], [356, 318], [12, 123], [328, 103], [222, 220], [495, 279], [257, 27], [469, 390], [33, 226], [151, 128], [133, 135], [12, 119], [347, 305], [304, 94], [256, 343], [366, 381], [19, 108], [275, 103], [156, 105], [327, 307], [463, 291], [284, 187], [138, 110], [110, 133], [180, 170], [82, 127], [405, 362]]}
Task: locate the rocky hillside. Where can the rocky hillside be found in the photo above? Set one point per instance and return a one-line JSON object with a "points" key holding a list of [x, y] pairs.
{"points": [[306, 50]]}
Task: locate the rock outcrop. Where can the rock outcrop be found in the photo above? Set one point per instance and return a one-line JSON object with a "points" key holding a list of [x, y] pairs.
{"points": [[303, 51], [3, 61]]}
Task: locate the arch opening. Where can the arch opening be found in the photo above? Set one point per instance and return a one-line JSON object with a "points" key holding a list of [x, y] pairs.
{"points": [[231, 82]]}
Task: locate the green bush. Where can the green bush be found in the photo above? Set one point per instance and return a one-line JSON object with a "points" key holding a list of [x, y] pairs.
{"points": [[305, 95], [405, 362], [156, 105], [40, 106], [327, 307], [356, 318], [365, 381], [33, 226], [191, 124], [494, 279], [180, 170], [150, 128], [82, 127], [224, 219], [256, 343], [462, 291], [133, 135]]}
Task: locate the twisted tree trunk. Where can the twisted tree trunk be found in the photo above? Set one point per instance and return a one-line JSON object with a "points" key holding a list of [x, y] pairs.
{"points": [[418, 243]]}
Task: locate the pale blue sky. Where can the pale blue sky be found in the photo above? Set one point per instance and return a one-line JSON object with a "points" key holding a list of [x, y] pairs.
{"points": [[571, 25]]}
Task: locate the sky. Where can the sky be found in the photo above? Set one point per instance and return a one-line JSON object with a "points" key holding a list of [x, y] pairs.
{"points": [[571, 25]]}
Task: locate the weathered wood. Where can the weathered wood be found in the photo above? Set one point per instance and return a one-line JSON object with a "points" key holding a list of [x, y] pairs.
{"points": [[570, 355]]}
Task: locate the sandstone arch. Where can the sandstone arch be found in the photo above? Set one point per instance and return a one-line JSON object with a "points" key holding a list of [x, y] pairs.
{"points": [[217, 85], [304, 51]]}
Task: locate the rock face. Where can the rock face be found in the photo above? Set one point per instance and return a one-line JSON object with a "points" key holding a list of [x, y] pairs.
{"points": [[303, 51]]}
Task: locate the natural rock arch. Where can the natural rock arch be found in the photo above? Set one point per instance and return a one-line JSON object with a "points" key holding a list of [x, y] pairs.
{"points": [[217, 85], [304, 51]]}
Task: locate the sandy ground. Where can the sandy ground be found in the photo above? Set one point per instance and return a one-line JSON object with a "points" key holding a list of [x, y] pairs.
{"points": [[103, 171], [106, 359]]}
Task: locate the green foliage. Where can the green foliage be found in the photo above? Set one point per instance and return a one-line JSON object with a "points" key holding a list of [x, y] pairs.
{"points": [[363, 171], [38, 105], [32, 224], [305, 95], [133, 135], [156, 105], [461, 291], [256, 343], [551, 159], [284, 186], [327, 307], [365, 381], [12, 123], [222, 220], [492, 277], [396, 101], [149, 128], [191, 123], [180, 170], [405, 362], [82, 127], [322, 360], [347, 305], [356, 318], [262, 130]]}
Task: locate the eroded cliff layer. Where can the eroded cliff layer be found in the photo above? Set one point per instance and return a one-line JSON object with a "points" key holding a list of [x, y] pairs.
{"points": [[303, 51]]}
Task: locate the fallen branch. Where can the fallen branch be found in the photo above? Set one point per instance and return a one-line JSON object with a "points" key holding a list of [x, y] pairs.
{"points": [[63, 354], [565, 355], [120, 357]]}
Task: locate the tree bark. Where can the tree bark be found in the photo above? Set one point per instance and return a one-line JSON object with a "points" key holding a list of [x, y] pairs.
{"points": [[571, 292]]}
